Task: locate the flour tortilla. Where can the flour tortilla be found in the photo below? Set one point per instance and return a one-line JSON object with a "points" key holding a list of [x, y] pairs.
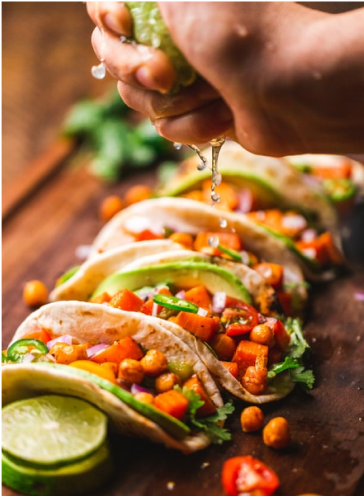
{"points": [[95, 323]]}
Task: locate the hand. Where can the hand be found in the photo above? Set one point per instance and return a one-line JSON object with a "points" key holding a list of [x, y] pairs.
{"points": [[272, 75]]}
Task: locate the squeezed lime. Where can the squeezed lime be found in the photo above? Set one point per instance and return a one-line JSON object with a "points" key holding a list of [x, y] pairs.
{"points": [[149, 29]]}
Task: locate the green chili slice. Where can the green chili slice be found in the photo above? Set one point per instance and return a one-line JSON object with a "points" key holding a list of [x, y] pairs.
{"points": [[18, 349], [339, 189], [175, 303], [232, 253]]}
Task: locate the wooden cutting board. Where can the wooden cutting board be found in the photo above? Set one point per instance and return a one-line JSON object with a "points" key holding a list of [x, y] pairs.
{"points": [[40, 238]]}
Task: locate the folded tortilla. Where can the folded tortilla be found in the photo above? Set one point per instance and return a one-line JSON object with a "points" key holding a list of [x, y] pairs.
{"points": [[95, 323]]}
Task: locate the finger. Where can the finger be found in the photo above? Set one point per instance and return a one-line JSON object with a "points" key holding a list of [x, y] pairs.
{"points": [[158, 106], [135, 64], [211, 121], [113, 16]]}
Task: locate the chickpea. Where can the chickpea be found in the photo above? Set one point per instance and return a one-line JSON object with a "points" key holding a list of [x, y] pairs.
{"points": [[144, 397], [255, 380], [252, 419], [224, 346], [167, 381], [138, 193], [154, 363], [262, 334], [131, 371], [110, 206], [35, 293], [276, 433], [68, 353]]}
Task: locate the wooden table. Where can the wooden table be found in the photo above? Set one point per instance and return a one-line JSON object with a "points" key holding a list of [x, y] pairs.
{"points": [[52, 208]]}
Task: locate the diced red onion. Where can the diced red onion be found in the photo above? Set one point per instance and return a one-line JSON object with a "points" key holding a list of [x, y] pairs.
{"points": [[155, 309], [202, 312], [83, 251], [181, 294], [219, 301], [294, 222], [245, 201], [66, 338], [136, 388], [28, 357], [309, 235], [359, 296], [96, 349]]}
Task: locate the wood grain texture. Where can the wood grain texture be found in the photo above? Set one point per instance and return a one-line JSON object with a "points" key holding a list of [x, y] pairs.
{"points": [[327, 424]]}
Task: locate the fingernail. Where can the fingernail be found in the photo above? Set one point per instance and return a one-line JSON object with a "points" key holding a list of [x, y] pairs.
{"points": [[112, 22], [145, 77]]}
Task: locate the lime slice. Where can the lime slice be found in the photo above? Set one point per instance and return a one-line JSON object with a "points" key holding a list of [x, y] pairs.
{"points": [[149, 29], [81, 477], [52, 429]]}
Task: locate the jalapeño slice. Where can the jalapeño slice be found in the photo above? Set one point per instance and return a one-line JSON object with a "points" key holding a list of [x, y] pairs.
{"points": [[175, 303], [18, 349], [232, 253]]}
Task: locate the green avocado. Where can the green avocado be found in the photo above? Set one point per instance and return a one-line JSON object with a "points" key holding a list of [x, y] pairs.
{"points": [[171, 425], [183, 274], [149, 29]]}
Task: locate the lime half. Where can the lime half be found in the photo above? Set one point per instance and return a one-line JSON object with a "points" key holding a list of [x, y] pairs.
{"points": [[149, 29], [81, 477], [52, 429]]}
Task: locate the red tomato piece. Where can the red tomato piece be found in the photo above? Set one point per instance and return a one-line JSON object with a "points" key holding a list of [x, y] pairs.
{"points": [[242, 474], [38, 333], [239, 316]]}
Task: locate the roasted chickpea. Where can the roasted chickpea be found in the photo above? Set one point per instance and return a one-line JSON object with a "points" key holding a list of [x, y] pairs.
{"points": [[138, 193], [255, 380], [131, 371], [144, 397], [68, 353], [35, 293], [224, 346], [252, 419], [110, 206], [154, 363], [166, 381], [276, 433], [262, 334]]}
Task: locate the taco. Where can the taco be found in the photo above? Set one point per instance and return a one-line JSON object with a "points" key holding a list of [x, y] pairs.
{"points": [[272, 194], [144, 377], [242, 347], [198, 227]]}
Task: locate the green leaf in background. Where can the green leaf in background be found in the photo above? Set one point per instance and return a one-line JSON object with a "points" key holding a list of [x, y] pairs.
{"points": [[118, 138]]}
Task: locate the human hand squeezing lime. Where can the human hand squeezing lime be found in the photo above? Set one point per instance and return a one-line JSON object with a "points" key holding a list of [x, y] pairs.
{"points": [[269, 74]]}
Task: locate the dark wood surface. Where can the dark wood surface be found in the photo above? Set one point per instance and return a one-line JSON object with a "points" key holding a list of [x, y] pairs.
{"points": [[58, 212]]}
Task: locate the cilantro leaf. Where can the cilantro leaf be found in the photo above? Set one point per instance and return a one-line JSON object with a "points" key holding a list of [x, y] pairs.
{"points": [[277, 368], [298, 345], [304, 377]]}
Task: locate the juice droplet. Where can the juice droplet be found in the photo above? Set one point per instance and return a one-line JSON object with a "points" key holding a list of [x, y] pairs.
{"points": [[99, 71], [201, 166], [214, 241], [203, 159], [222, 222], [215, 197], [218, 179], [177, 146]]}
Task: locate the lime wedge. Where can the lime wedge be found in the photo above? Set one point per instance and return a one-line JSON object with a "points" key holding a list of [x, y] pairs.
{"points": [[149, 29], [81, 477], [52, 429]]}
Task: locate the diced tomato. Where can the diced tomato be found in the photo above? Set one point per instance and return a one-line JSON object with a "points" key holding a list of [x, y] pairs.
{"points": [[208, 408], [285, 299], [232, 367], [227, 240], [200, 296], [38, 333], [271, 272], [280, 334], [147, 307], [126, 347], [147, 235], [247, 353], [173, 403], [203, 327], [244, 474], [94, 368], [239, 317], [337, 171], [126, 300]]}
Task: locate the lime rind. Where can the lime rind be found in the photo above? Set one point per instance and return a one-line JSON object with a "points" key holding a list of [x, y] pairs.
{"points": [[149, 29], [52, 429], [83, 476]]}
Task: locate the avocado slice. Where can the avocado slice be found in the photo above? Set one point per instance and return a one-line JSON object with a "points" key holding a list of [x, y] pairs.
{"points": [[171, 425], [185, 274]]}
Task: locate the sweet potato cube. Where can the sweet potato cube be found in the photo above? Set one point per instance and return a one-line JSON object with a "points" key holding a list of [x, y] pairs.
{"points": [[203, 327], [208, 408], [126, 300], [247, 353], [126, 347], [199, 296], [173, 403]]}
